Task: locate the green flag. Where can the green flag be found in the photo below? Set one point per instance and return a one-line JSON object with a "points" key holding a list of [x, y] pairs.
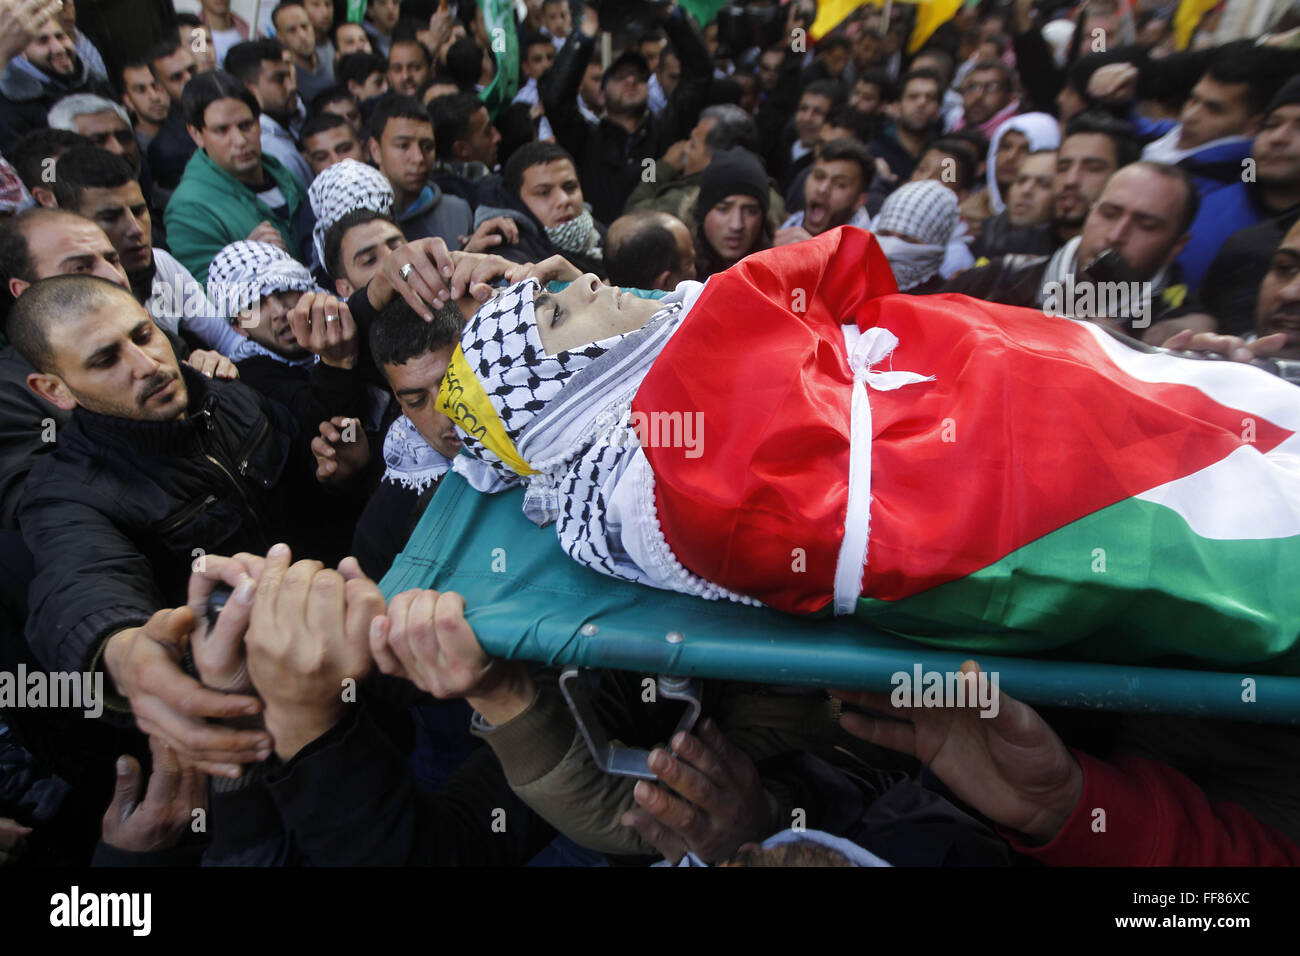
{"points": [[499, 18], [704, 11], [356, 11]]}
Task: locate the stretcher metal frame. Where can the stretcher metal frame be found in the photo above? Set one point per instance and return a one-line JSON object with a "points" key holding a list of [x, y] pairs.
{"points": [[527, 600]]}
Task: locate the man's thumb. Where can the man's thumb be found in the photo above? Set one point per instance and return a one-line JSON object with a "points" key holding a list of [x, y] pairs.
{"points": [[126, 789]]}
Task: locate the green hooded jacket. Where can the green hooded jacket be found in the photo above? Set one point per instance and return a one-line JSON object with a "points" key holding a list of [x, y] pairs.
{"points": [[211, 209]]}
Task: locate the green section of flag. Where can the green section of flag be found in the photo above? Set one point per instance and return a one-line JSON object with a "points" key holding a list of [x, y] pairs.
{"points": [[499, 18], [1130, 582], [704, 11], [356, 10]]}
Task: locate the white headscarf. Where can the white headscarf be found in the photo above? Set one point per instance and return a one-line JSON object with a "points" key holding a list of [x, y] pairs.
{"points": [[342, 188], [926, 211], [1042, 131]]}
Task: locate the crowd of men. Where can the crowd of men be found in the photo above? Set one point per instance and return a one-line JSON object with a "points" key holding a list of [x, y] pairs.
{"points": [[237, 258]]}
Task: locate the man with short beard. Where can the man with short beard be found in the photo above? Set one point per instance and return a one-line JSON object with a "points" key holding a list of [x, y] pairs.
{"points": [[1274, 190], [903, 142], [1279, 296], [295, 29], [101, 187], [611, 153], [263, 66], [157, 464], [835, 192], [47, 70]]}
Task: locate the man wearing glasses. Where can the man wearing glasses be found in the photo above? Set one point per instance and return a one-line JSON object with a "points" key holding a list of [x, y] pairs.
{"points": [[988, 97]]}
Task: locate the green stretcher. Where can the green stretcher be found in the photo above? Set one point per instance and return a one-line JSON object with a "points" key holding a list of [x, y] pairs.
{"points": [[527, 600]]}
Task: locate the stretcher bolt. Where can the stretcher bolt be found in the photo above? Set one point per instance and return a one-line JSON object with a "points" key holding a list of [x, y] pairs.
{"points": [[588, 630], [675, 637]]}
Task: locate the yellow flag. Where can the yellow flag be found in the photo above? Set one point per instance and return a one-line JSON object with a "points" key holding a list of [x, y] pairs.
{"points": [[1188, 16], [930, 16]]}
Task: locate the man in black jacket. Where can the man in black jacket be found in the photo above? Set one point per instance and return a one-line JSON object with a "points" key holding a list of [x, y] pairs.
{"points": [[48, 70], [157, 467], [611, 154]]}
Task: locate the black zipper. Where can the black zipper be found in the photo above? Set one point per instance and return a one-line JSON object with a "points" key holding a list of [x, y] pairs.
{"points": [[184, 515], [246, 452]]}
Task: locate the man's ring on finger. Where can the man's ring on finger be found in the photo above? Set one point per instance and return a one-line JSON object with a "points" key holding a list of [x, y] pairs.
{"points": [[405, 271], [331, 318]]}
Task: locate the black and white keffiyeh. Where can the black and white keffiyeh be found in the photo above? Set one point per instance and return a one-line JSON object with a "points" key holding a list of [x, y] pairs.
{"points": [[242, 274], [578, 235], [245, 272], [342, 188], [411, 461], [502, 348], [926, 212]]}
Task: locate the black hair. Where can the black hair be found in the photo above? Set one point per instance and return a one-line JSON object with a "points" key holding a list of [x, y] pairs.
{"points": [[411, 40], [358, 67], [943, 56], [244, 60], [517, 128], [535, 39], [647, 250], [208, 87], [1102, 123], [29, 155], [854, 152], [920, 73], [962, 154], [1008, 74], [881, 79], [398, 334], [190, 20], [164, 48], [284, 5], [319, 123], [450, 116], [49, 300], [392, 106], [465, 62], [536, 153], [833, 90], [976, 142], [1191, 196], [331, 94], [1263, 70], [88, 167], [131, 63], [836, 41], [846, 117], [334, 237], [407, 30]]}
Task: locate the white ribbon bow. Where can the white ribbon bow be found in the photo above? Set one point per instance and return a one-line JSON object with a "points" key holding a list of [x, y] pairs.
{"points": [[872, 347]]}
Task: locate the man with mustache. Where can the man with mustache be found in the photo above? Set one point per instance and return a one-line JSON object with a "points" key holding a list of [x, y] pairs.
{"points": [[47, 70], [157, 467]]}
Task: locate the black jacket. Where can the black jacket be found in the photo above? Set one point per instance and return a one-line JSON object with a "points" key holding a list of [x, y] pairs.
{"points": [[118, 511], [609, 159], [27, 93]]}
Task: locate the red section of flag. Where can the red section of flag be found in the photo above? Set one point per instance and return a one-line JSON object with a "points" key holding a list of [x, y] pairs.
{"points": [[1027, 427]]}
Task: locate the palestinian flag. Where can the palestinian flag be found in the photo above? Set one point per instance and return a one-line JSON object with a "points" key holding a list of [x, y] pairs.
{"points": [[1050, 486]]}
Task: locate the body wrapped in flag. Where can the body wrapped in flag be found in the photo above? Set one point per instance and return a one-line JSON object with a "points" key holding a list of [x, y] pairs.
{"points": [[948, 469]]}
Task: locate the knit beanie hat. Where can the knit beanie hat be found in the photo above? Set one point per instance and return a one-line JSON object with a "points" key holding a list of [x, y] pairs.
{"points": [[732, 172]]}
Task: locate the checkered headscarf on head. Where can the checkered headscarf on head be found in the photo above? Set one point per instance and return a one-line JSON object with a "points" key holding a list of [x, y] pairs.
{"points": [[505, 353], [342, 188], [245, 272], [926, 211]]}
